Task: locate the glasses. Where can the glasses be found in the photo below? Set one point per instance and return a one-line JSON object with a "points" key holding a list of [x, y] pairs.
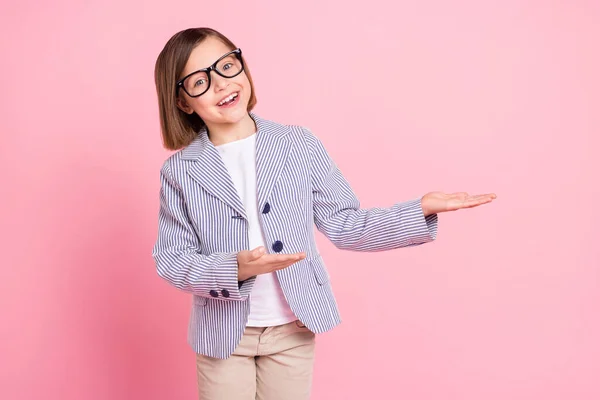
{"points": [[197, 83]]}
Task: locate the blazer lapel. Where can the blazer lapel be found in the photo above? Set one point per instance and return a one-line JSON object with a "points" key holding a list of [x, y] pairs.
{"points": [[209, 170], [272, 150]]}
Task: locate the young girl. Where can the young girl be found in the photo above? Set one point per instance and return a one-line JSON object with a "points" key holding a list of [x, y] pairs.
{"points": [[238, 201]]}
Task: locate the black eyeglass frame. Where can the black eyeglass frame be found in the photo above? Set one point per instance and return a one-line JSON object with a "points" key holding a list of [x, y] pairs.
{"points": [[213, 67]]}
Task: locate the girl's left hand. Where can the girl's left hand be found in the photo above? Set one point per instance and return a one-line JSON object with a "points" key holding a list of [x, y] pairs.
{"points": [[438, 202]]}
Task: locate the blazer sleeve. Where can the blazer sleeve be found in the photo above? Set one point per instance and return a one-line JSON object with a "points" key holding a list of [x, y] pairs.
{"points": [[337, 212], [177, 255]]}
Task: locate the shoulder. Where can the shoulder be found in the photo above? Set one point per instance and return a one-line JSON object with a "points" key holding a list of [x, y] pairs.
{"points": [[305, 139], [305, 135], [176, 164], [292, 131]]}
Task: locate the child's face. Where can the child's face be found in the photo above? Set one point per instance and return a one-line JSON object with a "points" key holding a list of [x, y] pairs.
{"points": [[208, 106]]}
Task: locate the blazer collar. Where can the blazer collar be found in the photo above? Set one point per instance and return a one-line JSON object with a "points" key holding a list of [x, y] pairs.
{"points": [[209, 170]]}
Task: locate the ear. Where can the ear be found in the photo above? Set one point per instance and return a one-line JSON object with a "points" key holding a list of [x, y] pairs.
{"points": [[184, 106]]}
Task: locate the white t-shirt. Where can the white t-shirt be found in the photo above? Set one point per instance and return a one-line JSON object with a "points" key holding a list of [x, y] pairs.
{"points": [[268, 306]]}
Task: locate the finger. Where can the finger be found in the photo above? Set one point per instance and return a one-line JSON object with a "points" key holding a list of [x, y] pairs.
{"points": [[460, 195], [476, 201], [284, 265], [486, 195], [275, 260], [271, 266], [280, 258]]}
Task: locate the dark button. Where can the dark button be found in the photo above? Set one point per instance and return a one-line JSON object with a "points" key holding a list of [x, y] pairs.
{"points": [[214, 293], [225, 293], [266, 208], [277, 246]]}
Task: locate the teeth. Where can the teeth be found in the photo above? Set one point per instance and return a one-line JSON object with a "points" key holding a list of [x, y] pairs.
{"points": [[228, 98]]}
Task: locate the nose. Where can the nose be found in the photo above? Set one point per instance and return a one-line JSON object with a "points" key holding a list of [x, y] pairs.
{"points": [[219, 82]]}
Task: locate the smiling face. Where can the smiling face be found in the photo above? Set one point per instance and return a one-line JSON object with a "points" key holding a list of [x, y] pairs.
{"points": [[226, 100]]}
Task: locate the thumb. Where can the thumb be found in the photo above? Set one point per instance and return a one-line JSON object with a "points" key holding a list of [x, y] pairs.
{"points": [[257, 253]]}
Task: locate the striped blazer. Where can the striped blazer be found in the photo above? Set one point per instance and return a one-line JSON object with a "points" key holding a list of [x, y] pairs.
{"points": [[202, 225]]}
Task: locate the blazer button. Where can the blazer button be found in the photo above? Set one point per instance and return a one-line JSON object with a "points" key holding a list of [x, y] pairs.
{"points": [[277, 246], [266, 208], [214, 293], [225, 293]]}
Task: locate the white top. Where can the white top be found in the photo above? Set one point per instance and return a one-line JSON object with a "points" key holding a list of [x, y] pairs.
{"points": [[268, 306]]}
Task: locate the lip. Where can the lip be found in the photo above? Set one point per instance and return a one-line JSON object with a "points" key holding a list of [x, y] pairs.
{"points": [[224, 97]]}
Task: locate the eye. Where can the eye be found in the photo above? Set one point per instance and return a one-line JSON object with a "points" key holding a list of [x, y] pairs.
{"points": [[227, 66], [199, 82]]}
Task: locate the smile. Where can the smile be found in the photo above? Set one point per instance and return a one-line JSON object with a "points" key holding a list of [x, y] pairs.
{"points": [[229, 99]]}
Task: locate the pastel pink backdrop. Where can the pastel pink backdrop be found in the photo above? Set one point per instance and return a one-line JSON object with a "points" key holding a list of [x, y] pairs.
{"points": [[464, 95]]}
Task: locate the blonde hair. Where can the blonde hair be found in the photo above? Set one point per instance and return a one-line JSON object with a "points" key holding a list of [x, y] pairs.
{"points": [[178, 129]]}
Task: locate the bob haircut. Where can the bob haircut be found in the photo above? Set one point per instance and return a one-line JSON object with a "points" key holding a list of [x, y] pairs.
{"points": [[179, 129]]}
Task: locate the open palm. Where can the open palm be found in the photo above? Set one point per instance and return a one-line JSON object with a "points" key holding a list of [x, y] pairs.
{"points": [[438, 202]]}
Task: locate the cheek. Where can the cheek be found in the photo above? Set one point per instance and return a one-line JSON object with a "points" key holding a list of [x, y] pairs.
{"points": [[245, 84], [202, 105]]}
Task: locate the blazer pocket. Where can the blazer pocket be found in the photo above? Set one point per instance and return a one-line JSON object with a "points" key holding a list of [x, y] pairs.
{"points": [[319, 270], [200, 301]]}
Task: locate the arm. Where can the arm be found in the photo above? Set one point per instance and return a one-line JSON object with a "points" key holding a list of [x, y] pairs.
{"points": [[338, 215], [176, 252]]}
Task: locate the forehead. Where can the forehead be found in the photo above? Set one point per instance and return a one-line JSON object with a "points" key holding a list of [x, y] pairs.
{"points": [[205, 54]]}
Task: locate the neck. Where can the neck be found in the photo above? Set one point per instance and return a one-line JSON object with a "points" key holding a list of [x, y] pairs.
{"points": [[225, 133]]}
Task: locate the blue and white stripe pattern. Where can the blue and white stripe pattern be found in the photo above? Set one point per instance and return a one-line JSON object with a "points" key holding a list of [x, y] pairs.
{"points": [[203, 225]]}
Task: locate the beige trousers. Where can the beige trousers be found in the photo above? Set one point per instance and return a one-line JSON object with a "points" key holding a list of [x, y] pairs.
{"points": [[274, 363]]}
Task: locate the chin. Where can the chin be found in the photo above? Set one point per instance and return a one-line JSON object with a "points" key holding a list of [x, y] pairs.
{"points": [[234, 115]]}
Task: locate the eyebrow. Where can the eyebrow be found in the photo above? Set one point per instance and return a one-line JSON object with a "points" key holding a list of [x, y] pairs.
{"points": [[216, 59]]}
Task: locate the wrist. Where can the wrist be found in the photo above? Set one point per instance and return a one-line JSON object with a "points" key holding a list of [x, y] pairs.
{"points": [[243, 273], [424, 207]]}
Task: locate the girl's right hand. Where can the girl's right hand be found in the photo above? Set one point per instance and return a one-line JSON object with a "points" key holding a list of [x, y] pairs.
{"points": [[256, 262]]}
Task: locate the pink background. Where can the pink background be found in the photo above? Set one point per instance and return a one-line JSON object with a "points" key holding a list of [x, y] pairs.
{"points": [[480, 96]]}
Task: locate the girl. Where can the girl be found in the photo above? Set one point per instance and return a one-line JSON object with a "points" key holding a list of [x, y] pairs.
{"points": [[238, 201]]}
